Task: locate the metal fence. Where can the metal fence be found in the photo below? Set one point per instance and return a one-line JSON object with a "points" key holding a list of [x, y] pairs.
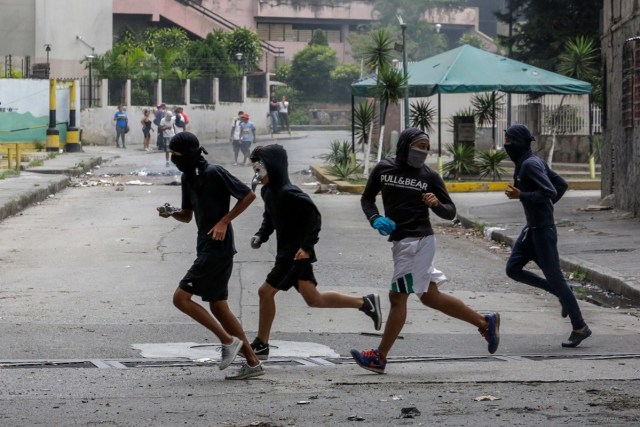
{"points": [[90, 93], [201, 91]]}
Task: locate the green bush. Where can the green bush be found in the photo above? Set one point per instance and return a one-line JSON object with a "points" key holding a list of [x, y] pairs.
{"points": [[340, 160], [463, 162], [488, 163]]}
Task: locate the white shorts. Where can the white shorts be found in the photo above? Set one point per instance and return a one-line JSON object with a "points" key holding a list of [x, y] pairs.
{"points": [[413, 268]]}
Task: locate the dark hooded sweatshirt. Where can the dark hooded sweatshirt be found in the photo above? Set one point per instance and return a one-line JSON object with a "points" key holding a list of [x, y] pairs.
{"points": [[402, 187], [540, 188], [287, 209]]}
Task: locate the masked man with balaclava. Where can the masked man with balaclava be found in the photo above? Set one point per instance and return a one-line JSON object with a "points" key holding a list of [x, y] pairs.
{"points": [[538, 188], [409, 190], [294, 217], [206, 193]]}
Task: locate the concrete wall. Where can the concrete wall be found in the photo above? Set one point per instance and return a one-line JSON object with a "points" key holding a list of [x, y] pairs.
{"points": [[620, 145], [206, 121], [28, 25]]}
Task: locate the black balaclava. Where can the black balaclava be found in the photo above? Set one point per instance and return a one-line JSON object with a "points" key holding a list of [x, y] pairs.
{"points": [[403, 150], [521, 138], [188, 146]]}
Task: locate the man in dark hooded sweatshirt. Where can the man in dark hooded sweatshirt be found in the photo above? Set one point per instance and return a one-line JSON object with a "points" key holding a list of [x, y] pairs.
{"points": [[206, 193], [538, 188], [409, 190], [294, 217]]}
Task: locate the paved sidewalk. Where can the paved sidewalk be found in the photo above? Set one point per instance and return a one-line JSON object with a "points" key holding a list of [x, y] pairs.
{"points": [[603, 244]]}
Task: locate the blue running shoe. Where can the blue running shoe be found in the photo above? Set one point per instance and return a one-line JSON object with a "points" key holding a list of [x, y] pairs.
{"points": [[492, 333], [370, 360]]}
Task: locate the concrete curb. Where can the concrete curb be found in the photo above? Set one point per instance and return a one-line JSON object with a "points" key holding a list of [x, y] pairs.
{"points": [[604, 278], [33, 196], [319, 172]]}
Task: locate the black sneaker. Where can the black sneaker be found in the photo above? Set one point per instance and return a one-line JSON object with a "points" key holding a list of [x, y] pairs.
{"points": [[492, 333], [577, 337], [260, 349], [371, 307]]}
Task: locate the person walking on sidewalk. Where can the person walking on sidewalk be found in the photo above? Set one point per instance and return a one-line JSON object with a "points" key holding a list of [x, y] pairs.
{"points": [[168, 131], [122, 124], [247, 137], [538, 188], [234, 137], [145, 121], [206, 193], [409, 190], [294, 217]]}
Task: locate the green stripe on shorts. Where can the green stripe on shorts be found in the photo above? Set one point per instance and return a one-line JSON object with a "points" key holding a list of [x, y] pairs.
{"points": [[403, 285]]}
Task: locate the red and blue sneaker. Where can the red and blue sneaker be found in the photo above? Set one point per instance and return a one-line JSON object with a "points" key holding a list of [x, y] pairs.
{"points": [[370, 360], [492, 333]]}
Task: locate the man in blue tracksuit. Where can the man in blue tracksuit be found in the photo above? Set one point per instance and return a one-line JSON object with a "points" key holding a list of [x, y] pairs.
{"points": [[538, 188]]}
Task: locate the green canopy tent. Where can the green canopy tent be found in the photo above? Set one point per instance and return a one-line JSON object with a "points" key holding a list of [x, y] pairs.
{"points": [[467, 69]]}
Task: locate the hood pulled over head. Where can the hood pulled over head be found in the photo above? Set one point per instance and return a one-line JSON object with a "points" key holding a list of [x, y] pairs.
{"points": [[273, 158], [408, 137], [190, 152], [520, 138]]}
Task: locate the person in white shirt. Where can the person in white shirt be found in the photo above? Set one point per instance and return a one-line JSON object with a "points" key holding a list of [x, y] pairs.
{"points": [[167, 127], [235, 137], [283, 114]]}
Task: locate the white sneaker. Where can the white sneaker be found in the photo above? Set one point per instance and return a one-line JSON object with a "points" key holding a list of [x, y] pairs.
{"points": [[229, 353], [246, 372]]}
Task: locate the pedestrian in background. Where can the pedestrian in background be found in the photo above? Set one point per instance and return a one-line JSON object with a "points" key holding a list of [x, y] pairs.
{"points": [[283, 114], [409, 191], [294, 217], [146, 129], [158, 116], [247, 137], [273, 113], [122, 122], [168, 131], [234, 137], [179, 122], [539, 188], [206, 194]]}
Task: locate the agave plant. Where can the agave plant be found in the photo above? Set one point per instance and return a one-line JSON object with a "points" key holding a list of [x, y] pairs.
{"points": [[423, 115], [340, 161], [488, 163], [463, 162]]}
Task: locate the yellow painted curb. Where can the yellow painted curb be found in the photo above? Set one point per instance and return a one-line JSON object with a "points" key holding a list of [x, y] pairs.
{"points": [[452, 187]]}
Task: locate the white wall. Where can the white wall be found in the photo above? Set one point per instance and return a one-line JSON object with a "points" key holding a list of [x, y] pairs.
{"points": [[205, 121]]}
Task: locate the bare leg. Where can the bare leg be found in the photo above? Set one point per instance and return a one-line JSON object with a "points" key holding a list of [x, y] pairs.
{"points": [[231, 324], [395, 321], [452, 306], [267, 294], [182, 301], [329, 299]]}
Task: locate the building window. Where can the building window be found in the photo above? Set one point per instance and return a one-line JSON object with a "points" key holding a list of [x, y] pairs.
{"points": [[631, 82], [297, 32]]}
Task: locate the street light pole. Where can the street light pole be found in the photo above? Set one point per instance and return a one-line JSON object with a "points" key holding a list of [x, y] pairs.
{"points": [[90, 58], [403, 26]]}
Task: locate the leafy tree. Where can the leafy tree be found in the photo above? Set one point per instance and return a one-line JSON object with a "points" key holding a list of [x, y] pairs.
{"points": [[209, 55], [311, 69], [319, 37], [380, 52], [470, 39], [283, 73], [541, 28], [390, 87], [245, 41], [580, 59]]}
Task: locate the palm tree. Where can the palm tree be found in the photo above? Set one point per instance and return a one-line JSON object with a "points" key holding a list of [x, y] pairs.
{"points": [[390, 87], [579, 60], [487, 108], [423, 115], [377, 56]]}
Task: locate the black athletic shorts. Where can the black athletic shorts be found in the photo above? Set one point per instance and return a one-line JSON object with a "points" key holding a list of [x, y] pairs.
{"points": [[208, 277], [285, 274]]}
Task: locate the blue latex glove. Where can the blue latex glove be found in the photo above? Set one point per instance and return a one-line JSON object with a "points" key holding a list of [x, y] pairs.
{"points": [[384, 225]]}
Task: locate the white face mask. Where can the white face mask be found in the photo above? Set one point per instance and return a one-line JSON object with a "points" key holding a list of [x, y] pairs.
{"points": [[260, 172], [416, 157]]}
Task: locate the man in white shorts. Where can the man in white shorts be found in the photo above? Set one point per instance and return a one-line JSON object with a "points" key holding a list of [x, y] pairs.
{"points": [[409, 190]]}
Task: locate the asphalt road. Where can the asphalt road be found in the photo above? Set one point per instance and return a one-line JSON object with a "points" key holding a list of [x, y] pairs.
{"points": [[87, 279]]}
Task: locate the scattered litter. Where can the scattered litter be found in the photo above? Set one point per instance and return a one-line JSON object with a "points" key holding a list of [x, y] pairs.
{"points": [[488, 231], [410, 412], [119, 186], [355, 418], [138, 182], [486, 398], [204, 360], [311, 184], [313, 397], [306, 171], [592, 208], [304, 402], [396, 397], [141, 172], [494, 247]]}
